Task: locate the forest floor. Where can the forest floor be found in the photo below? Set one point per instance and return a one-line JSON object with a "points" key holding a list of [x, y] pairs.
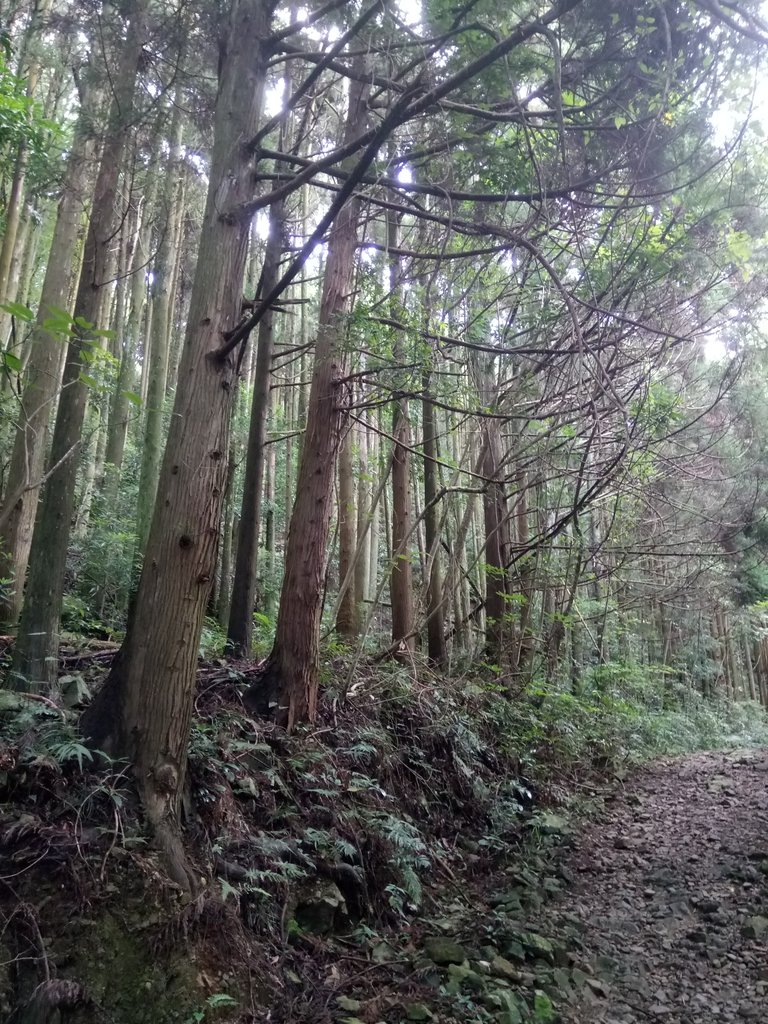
{"points": [[670, 885], [654, 909], [393, 864]]}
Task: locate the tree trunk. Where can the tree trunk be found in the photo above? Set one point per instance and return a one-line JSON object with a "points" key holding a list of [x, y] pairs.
{"points": [[347, 624], [224, 596], [240, 629], [129, 332], [290, 678], [43, 369], [267, 578], [36, 653], [526, 571], [144, 710], [8, 340], [401, 573], [435, 626], [159, 345], [497, 544], [364, 522]]}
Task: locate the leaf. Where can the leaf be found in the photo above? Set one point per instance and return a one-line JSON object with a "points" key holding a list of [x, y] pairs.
{"points": [[20, 311], [132, 397], [228, 890], [55, 326], [12, 362], [220, 999]]}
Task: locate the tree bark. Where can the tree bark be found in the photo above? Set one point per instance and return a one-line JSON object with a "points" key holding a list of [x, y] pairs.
{"points": [[240, 628], [288, 687], [497, 544], [129, 333], [144, 710], [29, 66], [36, 653], [347, 624], [401, 573], [43, 375], [159, 344], [435, 625]]}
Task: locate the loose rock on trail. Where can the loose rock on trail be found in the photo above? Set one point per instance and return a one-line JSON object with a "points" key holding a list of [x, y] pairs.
{"points": [[670, 891]]}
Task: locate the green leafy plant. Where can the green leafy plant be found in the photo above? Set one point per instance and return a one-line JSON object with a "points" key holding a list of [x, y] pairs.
{"points": [[217, 1001]]}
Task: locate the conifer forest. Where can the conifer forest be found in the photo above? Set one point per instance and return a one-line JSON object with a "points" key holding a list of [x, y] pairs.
{"points": [[383, 511]]}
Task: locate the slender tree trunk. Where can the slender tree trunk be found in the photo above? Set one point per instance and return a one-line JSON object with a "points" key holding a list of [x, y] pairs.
{"points": [[750, 669], [347, 624], [373, 565], [224, 596], [29, 67], [497, 545], [526, 567], [36, 652], [291, 673], [269, 591], [144, 710], [435, 625], [364, 524], [401, 573], [159, 345], [129, 332], [43, 368], [240, 629], [7, 338]]}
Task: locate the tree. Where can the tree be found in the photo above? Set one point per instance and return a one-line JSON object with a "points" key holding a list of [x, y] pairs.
{"points": [[244, 586], [41, 381], [144, 710], [290, 677], [35, 661]]}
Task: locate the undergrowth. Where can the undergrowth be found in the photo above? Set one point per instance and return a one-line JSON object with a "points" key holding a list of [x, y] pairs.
{"points": [[408, 786]]}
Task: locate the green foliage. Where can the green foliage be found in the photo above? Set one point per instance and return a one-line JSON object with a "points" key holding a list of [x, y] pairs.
{"points": [[43, 734], [207, 1012], [21, 117], [213, 639], [625, 714]]}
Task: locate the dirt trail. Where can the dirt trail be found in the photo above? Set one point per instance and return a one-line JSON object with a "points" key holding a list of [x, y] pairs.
{"points": [[670, 890]]}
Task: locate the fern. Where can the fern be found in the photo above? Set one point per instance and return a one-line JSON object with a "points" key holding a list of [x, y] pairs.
{"points": [[411, 883], [70, 750], [401, 834], [344, 848], [360, 751]]}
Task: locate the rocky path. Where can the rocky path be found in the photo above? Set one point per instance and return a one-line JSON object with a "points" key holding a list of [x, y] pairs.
{"points": [[669, 889]]}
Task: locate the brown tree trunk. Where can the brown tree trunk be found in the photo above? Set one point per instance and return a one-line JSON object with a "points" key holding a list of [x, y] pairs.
{"points": [[36, 653], [526, 568], [290, 679], [144, 710], [401, 572], [29, 67], [346, 619], [159, 343], [497, 543], [240, 628], [435, 626], [43, 371], [364, 523], [128, 330]]}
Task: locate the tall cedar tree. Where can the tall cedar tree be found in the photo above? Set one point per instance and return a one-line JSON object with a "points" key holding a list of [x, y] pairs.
{"points": [[144, 710]]}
